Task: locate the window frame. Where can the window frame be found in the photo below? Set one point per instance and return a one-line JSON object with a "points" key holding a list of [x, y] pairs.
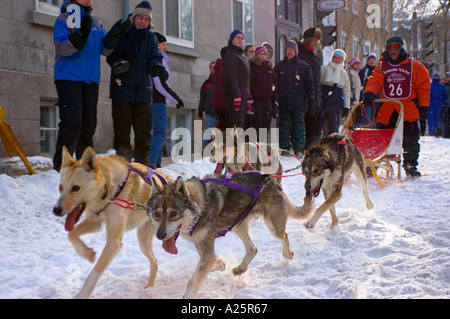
{"points": [[178, 40], [249, 38]]}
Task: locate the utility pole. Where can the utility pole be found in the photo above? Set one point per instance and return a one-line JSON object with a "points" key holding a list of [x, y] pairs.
{"points": [[445, 5]]}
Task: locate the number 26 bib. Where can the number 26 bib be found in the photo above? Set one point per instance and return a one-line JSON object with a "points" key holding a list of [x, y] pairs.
{"points": [[397, 79]]}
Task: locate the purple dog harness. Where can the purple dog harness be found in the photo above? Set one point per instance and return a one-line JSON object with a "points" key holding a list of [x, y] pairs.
{"points": [[147, 179], [227, 182]]}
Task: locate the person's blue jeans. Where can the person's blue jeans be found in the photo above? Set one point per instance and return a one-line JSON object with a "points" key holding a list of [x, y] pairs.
{"points": [[159, 118], [210, 121]]}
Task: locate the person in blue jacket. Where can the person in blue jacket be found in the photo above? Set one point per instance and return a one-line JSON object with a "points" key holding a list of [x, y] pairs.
{"points": [[79, 39], [438, 99], [295, 93], [133, 61]]}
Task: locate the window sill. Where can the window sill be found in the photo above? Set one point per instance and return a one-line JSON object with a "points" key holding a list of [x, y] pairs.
{"points": [[41, 18]]}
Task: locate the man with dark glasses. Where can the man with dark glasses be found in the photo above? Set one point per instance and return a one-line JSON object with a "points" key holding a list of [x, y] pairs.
{"points": [[400, 77]]}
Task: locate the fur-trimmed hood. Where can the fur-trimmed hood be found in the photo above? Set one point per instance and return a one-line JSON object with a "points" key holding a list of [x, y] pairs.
{"points": [[257, 61]]}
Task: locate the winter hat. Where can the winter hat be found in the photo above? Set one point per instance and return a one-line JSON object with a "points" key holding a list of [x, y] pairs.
{"points": [[310, 33], [340, 53], [144, 8], [395, 40], [353, 61], [260, 49], [235, 33], [160, 37], [372, 56], [292, 44], [436, 74]]}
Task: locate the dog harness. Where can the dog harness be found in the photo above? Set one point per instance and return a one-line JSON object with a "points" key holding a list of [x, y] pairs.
{"points": [[130, 205], [227, 182]]}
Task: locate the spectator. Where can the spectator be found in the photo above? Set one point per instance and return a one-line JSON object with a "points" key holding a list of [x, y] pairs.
{"points": [[355, 83], [77, 75], [162, 95], [412, 88], [206, 103], [250, 51], [220, 105], [438, 100], [237, 80], [335, 92], [262, 89], [132, 63], [310, 41], [364, 74], [295, 92], [446, 109]]}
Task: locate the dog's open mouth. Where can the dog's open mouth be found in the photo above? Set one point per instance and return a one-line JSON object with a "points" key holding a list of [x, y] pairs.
{"points": [[169, 244], [316, 191], [74, 216]]}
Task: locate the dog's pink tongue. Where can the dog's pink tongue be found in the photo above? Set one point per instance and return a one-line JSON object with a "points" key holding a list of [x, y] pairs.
{"points": [[70, 220], [169, 245]]}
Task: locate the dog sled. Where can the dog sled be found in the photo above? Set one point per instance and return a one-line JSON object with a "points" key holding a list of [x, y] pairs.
{"points": [[379, 147]]}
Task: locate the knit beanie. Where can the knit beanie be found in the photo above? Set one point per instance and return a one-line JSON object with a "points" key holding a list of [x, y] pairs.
{"points": [[372, 56], [395, 39], [292, 44], [353, 61], [260, 49], [161, 38], [144, 8], [340, 53], [436, 74], [315, 33], [235, 33]]}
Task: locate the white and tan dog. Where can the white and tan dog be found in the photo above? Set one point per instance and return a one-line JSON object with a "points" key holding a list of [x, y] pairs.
{"points": [[106, 189]]}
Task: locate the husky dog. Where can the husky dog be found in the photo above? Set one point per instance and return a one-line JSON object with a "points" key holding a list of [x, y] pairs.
{"points": [[201, 210], [107, 190], [326, 165], [240, 156]]}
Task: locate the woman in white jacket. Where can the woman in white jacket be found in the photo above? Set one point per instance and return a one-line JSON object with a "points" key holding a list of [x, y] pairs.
{"points": [[335, 92]]}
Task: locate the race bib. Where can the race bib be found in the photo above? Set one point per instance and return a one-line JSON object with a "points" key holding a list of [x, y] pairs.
{"points": [[397, 80]]}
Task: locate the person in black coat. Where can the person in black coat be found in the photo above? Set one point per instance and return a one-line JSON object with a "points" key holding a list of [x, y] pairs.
{"points": [[237, 80], [135, 59], [295, 94], [310, 41], [262, 88]]}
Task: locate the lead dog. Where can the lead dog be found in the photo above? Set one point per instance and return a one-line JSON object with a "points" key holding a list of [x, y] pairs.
{"points": [[201, 210], [101, 187], [326, 165]]}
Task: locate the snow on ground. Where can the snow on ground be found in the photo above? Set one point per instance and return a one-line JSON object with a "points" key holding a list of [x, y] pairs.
{"points": [[400, 249]]}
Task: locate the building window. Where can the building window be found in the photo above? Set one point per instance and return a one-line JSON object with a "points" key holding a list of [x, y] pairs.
{"points": [[343, 40], [289, 10], [366, 48], [242, 11], [179, 21], [355, 7], [355, 50], [49, 127], [51, 7], [54, 2]]}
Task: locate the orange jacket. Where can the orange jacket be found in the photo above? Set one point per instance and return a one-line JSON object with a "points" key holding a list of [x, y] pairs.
{"points": [[420, 90]]}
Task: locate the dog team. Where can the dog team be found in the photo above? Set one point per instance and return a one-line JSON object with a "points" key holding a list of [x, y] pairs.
{"points": [[123, 196]]}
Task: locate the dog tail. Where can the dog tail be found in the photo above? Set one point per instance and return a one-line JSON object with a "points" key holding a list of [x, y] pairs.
{"points": [[304, 211]]}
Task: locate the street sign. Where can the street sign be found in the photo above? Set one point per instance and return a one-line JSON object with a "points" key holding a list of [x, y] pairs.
{"points": [[331, 5]]}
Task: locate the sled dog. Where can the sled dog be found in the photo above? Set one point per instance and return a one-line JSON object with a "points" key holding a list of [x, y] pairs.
{"points": [[107, 189], [201, 210], [238, 156], [326, 165]]}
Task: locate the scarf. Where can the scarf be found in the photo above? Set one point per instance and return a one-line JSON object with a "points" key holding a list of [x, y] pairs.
{"points": [[129, 43], [333, 74]]}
